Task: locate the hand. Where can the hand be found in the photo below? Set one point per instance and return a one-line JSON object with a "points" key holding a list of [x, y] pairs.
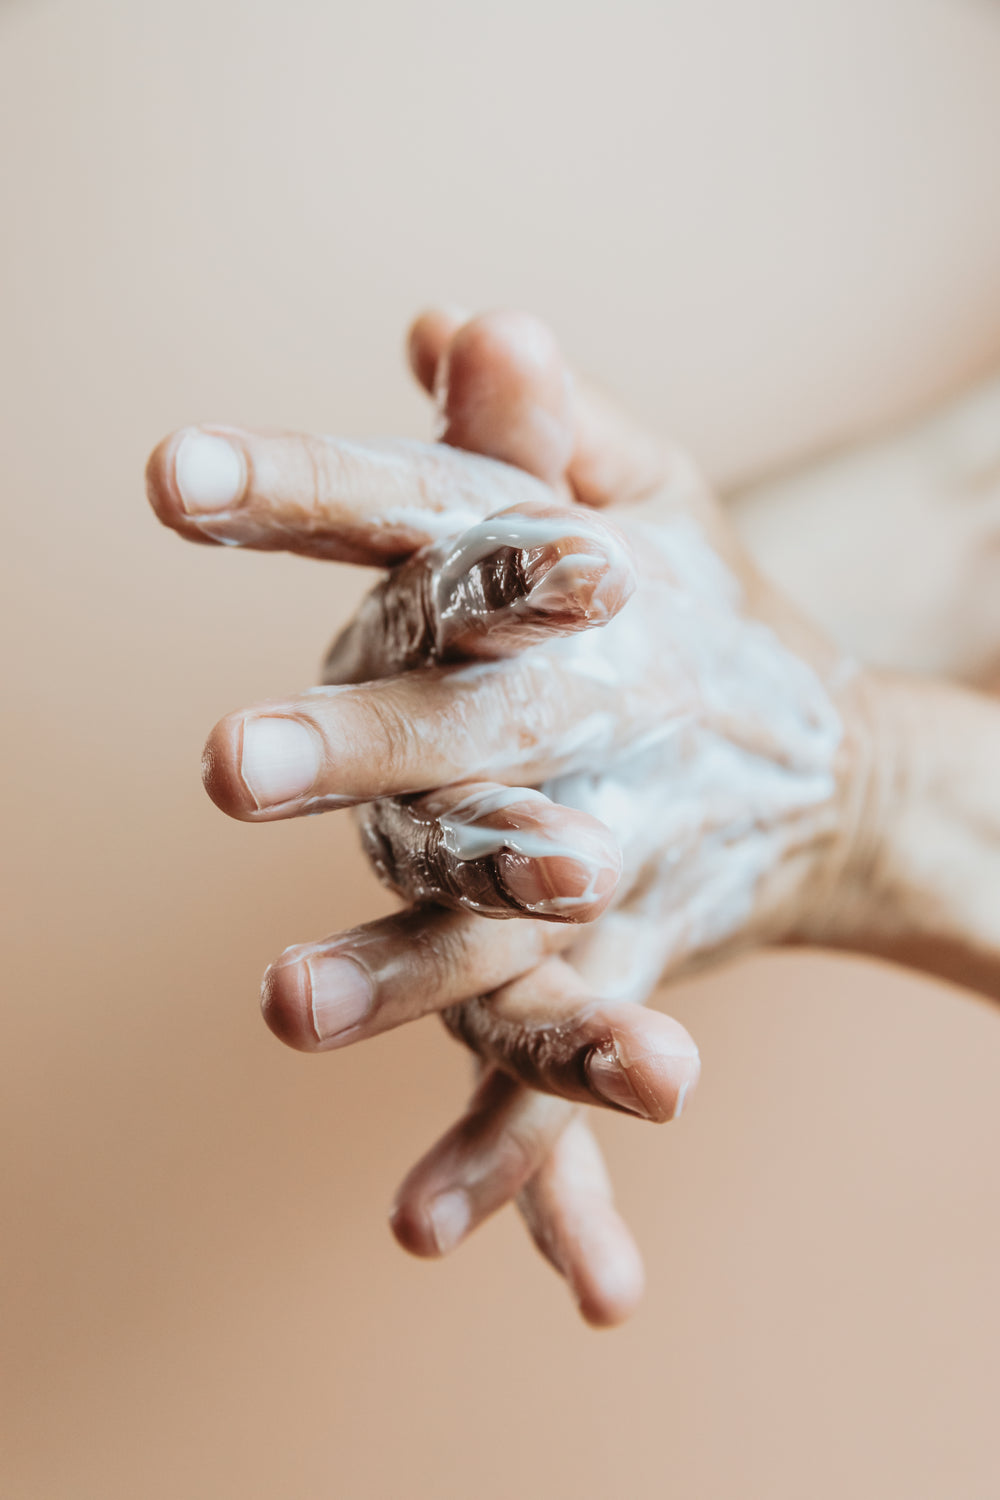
{"points": [[751, 791]]}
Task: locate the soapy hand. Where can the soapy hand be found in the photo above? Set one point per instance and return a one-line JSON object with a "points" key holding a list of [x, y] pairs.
{"points": [[541, 715]]}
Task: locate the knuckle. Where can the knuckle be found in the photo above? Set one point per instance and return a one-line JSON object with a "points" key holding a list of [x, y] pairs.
{"points": [[404, 850], [450, 948], [327, 473], [520, 1151], [398, 737]]}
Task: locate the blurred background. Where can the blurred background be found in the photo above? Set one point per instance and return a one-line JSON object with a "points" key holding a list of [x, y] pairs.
{"points": [[767, 226]]}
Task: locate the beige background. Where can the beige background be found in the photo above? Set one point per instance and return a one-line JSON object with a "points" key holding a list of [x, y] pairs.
{"points": [[765, 223]]}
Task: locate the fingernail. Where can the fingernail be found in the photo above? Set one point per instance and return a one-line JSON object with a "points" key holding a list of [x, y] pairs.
{"points": [[341, 995], [556, 886], [209, 472], [280, 760], [450, 1215], [527, 881], [610, 1080]]}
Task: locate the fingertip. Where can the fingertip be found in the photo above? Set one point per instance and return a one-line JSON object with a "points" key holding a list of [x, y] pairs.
{"points": [[407, 1229], [533, 571], [665, 1067], [195, 474], [591, 1247], [650, 1065], [509, 345], [428, 338], [583, 881], [569, 1211], [508, 393], [614, 588], [285, 1002], [411, 1217], [160, 489], [584, 575], [609, 1290], [220, 769], [503, 850], [260, 765], [560, 887], [413, 1230]]}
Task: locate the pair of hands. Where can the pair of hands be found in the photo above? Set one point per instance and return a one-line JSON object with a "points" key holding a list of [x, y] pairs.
{"points": [[601, 723]]}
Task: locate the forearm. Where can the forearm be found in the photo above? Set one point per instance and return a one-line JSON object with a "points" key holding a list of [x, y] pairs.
{"points": [[892, 544], [924, 884]]}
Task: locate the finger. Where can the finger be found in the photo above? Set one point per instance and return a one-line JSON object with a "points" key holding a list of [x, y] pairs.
{"points": [[500, 851], [518, 722], [354, 985], [518, 579], [428, 337], [569, 1209], [548, 1030], [479, 1165], [503, 388], [327, 497]]}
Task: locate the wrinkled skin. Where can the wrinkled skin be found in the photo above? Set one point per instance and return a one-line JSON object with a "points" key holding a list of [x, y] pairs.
{"points": [[708, 741], [713, 751], [680, 834]]}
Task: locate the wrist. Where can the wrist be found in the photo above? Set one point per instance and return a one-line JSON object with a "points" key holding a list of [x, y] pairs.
{"points": [[916, 877]]}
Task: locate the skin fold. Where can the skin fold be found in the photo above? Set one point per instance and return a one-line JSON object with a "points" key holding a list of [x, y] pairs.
{"points": [[609, 728]]}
